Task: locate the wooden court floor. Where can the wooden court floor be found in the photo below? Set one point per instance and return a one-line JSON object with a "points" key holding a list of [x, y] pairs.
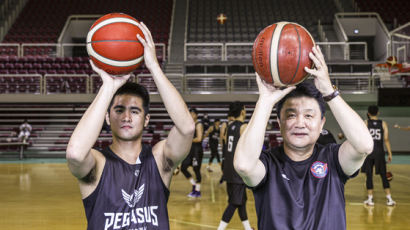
{"points": [[46, 196]]}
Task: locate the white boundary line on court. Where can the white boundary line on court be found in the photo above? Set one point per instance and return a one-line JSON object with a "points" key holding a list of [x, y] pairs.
{"points": [[212, 190], [361, 204]]}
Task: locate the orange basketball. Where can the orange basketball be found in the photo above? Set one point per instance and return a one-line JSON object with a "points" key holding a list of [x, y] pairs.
{"points": [[280, 53], [391, 61], [112, 44], [389, 176]]}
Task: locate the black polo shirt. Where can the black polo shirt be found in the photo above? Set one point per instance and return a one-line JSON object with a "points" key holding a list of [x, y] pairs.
{"points": [[305, 195]]}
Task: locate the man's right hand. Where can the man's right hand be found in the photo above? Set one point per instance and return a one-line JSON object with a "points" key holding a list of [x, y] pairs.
{"points": [[271, 92], [109, 80]]}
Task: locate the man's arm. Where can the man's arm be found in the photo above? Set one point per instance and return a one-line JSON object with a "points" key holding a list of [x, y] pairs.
{"points": [[199, 129], [222, 138], [387, 141], [179, 139], [243, 128], [210, 129], [246, 159], [79, 155], [359, 143]]}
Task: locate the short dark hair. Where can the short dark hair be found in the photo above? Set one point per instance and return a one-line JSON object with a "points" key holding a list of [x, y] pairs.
{"points": [[373, 110], [130, 88], [304, 89], [216, 120], [235, 109], [193, 110]]}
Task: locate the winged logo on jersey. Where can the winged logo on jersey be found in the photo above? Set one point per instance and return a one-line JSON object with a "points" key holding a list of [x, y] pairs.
{"points": [[132, 199]]}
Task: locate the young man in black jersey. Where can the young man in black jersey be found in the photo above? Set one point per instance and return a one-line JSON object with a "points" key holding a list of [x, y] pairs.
{"points": [[194, 158], [213, 133], [222, 139], [380, 133], [126, 186], [300, 185], [234, 185]]}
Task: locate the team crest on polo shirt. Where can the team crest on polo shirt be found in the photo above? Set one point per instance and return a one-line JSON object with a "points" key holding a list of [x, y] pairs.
{"points": [[319, 169]]}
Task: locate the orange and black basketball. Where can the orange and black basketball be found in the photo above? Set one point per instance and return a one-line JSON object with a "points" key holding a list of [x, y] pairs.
{"points": [[112, 43], [280, 53]]}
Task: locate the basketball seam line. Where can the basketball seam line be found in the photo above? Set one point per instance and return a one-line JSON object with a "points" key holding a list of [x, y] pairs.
{"points": [[300, 49], [270, 50], [277, 52], [119, 61], [113, 41]]}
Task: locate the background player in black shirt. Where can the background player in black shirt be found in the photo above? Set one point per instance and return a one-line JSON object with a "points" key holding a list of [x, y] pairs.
{"points": [[194, 157], [380, 133], [234, 185], [213, 133], [205, 121], [222, 139], [326, 137], [300, 185], [127, 116]]}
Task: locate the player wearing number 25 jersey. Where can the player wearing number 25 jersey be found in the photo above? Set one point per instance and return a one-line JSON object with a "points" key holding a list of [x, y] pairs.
{"points": [[379, 131]]}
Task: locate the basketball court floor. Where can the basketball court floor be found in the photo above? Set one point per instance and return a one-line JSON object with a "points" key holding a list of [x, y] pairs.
{"points": [[42, 194]]}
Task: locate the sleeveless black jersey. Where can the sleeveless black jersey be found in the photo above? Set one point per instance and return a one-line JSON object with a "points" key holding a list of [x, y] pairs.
{"points": [[214, 136], [233, 134], [128, 196], [195, 135], [196, 124], [223, 142], [377, 132]]}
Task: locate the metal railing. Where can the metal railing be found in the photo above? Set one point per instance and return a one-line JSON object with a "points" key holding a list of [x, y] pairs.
{"points": [[234, 51], [44, 49], [206, 83], [186, 84], [214, 52], [96, 82], [21, 84], [146, 80], [354, 83], [52, 49], [66, 84], [243, 83], [203, 51], [336, 51], [10, 49]]}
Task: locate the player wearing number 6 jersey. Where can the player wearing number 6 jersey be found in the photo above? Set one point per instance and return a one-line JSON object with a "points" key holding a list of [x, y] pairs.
{"points": [[235, 186], [379, 131]]}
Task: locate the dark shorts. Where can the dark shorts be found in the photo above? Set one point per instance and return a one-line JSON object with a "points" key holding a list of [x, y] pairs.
{"points": [[379, 164], [195, 156], [236, 193]]}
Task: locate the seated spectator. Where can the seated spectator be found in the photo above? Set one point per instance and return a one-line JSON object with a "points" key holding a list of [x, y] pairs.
{"points": [[65, 87], [25, 131]]}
